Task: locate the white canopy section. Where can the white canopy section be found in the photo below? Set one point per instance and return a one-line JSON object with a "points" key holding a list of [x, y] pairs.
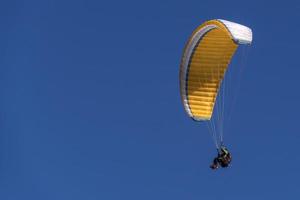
{"points": [[240, 33]]}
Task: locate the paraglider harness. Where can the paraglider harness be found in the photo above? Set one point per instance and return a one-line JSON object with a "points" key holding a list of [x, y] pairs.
{"points": [[223, 159]]}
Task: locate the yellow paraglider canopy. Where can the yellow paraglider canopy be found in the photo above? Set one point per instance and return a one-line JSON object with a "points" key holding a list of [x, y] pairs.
{"points": [[205, 59]]}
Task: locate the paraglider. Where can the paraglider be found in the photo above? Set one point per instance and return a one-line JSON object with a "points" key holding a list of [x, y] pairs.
{"points": [[204, 63], [223, 159]]}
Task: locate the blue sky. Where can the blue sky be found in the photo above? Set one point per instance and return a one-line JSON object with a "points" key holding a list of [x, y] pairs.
{"points": [[90, 105]]}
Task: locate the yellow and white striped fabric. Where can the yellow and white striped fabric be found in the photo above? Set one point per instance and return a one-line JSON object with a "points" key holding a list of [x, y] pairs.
{"points": [[205, 59]]}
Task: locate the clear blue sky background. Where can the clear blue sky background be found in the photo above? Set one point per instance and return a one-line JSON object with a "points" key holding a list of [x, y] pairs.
{"points": [[90, 105]]}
